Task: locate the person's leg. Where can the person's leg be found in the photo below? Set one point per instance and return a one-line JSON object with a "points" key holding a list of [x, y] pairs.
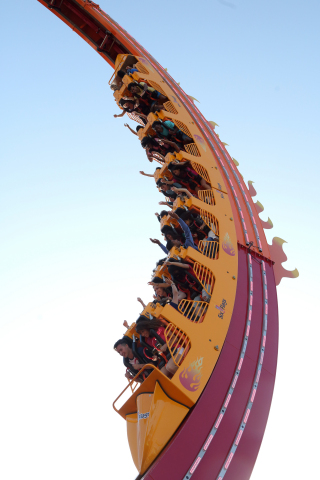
{"points": [[212, 235], [165, 371], [204, 184], [186, 139], [171, 367], [181, 295], [155, 107], [159, 97]]}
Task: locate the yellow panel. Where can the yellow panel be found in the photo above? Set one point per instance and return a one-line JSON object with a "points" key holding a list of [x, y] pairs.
{"points": [[164, 418], [143, 407], [132, 428], [206, 337], [149, 385]]}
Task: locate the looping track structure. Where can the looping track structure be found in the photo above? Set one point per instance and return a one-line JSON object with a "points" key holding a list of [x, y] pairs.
{"points": [[224, 417]]}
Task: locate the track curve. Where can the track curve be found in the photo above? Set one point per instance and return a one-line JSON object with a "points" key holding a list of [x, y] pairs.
{"points": [[222, 434]]}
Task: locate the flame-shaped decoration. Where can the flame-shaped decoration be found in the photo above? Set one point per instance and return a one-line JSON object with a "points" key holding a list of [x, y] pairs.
{"points": [[266, 225], [225, 144], [227, 245], [259, 207], [235, 162], [144, 61], [252, 190], [278, 256], [201, 141], [213, 124], [190, 377], [193, 99]]}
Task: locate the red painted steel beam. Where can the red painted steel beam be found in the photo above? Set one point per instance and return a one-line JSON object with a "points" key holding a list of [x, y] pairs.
{"points": [[178, 457]]}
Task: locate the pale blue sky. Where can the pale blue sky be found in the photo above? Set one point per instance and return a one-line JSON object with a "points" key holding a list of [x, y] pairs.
{"points": [[76, 215]]}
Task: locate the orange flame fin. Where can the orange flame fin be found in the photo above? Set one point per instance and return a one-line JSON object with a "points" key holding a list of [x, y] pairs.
{"points": [[259, 207], [278, 256], [252, 190], [213, 124], [193, 99], [235, 162], [266, 225]]}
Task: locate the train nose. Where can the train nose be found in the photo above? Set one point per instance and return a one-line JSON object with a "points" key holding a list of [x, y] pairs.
{"points": [[154, 423]]}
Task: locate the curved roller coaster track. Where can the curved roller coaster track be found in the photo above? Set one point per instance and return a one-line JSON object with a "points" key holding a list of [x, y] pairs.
{"points": [[208, 420]]}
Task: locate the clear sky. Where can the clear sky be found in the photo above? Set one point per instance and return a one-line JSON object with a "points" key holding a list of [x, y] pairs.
{"points": [[76, 218]]}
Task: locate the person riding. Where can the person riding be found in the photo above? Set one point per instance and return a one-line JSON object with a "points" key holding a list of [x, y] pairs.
{"points": [[168, 130], [141, 89], [132, 131], [129, 106], [144, 328], [183, 173], [130, 360], [158, 149], [175, 239], [131, 69]]}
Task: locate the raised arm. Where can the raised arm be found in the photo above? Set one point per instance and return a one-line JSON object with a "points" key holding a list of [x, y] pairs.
{"points": [[168, 182], [166, 203], [142, 303], [146, 174], [178, 264], [120, 115], [163, 248], [182, 190], [189, 239], [173, 144], [132, 131], [175, 292], [161, 285], [181, 164]]}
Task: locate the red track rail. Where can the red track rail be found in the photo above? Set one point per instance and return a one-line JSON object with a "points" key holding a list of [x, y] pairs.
{"points": [[237, 398], [214, 409]]}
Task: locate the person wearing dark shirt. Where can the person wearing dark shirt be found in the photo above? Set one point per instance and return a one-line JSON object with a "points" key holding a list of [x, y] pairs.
{"points": [[129, 106], [155, 148], [143, 327], [168, 129], [124, 348], [183, 172]]}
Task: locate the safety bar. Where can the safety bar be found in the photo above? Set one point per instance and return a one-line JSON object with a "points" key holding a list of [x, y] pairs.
{"points": [[210, 220], [147, 365], [207, 196], [117, 69], [201, 171], [192, 149], [209, 248], [174, 336], [205, 277], [193, 310], [133, 387]]}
